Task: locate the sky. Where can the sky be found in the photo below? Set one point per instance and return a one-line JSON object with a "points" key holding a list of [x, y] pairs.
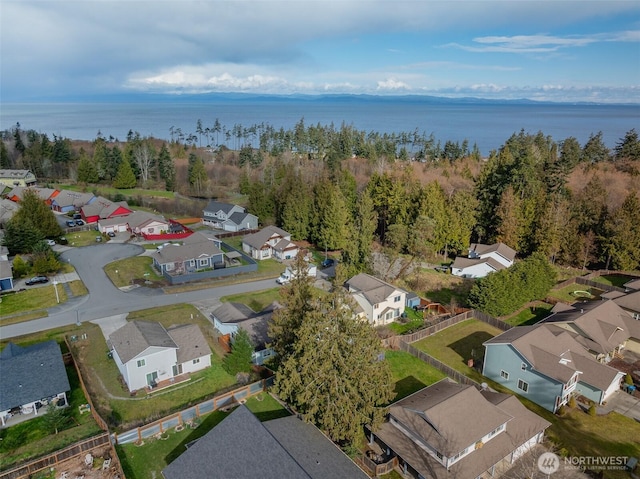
{"points": [[576, 50]]}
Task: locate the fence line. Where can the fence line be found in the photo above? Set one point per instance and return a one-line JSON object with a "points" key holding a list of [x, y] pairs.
{"points": [[597, 285], [185, 416], [52, 460]]}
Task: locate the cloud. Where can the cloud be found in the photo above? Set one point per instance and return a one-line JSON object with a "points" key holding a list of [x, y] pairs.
{"points": [[392, 85]]}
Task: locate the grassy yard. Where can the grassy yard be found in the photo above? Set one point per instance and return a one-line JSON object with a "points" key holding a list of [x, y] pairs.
{"points": [[442, 288], [457, 344], [146, 461], [113, 400], [613, 279], [413, 321], [38, 298], [530, 315], [78, 288], [257, 300], [126, 271], [574, 292], [34, 437], [83, 238], [410, 374]]}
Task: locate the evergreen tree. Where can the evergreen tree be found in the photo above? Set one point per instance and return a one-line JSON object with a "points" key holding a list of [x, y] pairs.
{"points": [[87, 172], [35, 212], [125, 178], [21, 237], [356, 256], [5, 161], [333, 376], [198, 177], [628, 148], [622, 239], [331, 216], [239, 359], [594, 150]]}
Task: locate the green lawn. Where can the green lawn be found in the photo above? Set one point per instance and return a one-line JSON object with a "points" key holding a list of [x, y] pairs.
{"points": [[107, 190], [265, 407], [34, 437], [38, 298], [126, 271], [575, 292], [410, 374], [257, 300], [613, 279], [83, 238], [413, 321], [102, 376], [530, 315], [457, 344]]}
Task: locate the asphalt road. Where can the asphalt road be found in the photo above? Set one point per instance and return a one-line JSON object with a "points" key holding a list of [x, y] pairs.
{"points": [[105, 300]]}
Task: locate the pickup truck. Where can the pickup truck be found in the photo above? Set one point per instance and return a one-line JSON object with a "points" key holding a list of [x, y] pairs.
{"points": [[289, 274]]}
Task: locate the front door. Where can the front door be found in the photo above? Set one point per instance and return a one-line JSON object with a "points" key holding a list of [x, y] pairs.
{"points": [[177, 370], [151, 378]]}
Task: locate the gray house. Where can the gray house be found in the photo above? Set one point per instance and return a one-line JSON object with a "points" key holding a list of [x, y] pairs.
{"points": [[451, 430], [228, 217], [32, 377], [243, 447], [547, 364], [197, 252], [270, 242]]}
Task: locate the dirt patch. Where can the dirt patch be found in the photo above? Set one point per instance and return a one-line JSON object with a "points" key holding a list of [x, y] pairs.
{"points": [[98, 463]]}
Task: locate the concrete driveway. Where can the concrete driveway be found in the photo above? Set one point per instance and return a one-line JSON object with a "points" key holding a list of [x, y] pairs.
{"points": [[623, 403], [110, 324]]}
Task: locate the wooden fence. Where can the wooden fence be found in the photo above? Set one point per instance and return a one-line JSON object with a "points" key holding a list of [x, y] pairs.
{"points": [[54, 459], [158, 427], [378, 469]]}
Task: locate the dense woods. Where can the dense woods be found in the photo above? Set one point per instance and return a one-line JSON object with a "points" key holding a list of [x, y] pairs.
{"points": [[343, 189]]}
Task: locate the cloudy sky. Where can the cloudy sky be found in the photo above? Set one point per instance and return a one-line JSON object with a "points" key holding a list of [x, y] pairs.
{"points": [[577, 50]]}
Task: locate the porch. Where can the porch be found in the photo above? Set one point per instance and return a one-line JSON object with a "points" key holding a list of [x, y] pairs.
{"points": [[167, 383]]}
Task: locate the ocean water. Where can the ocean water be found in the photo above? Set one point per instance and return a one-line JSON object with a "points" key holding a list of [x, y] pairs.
{"points": [[486, 124]]}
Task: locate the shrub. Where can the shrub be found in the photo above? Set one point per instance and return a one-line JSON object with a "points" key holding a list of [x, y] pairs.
{"points": [[562, 410], [592, 410], [628, 379], [572, 402]]}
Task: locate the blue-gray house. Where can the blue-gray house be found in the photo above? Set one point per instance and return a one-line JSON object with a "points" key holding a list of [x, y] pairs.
{"points": [[546, 364], [197, 252]]}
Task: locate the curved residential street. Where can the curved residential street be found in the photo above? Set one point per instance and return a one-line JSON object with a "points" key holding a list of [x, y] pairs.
{"points": [[105, 300]]}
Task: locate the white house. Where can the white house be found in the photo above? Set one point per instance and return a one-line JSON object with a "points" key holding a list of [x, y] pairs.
{"points": [[228, 217], [483, 259], [270, 242], [147, 353], [379, 301]]}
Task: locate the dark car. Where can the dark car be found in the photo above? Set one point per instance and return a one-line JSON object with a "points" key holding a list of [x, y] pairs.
{"points": [[328, 262], [79, 222], [111, 234], [71, 223], [36, 280]]}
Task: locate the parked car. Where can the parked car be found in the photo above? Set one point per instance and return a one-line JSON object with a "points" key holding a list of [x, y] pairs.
{"points": [[36, 280], [328, 262], [442, 269], [111, 234], [71, 223], [50, 242], [79, 222], [63, 240], [77, 216]]}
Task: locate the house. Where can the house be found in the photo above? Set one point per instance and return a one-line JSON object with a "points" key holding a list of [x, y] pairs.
{"points": [[603, 327], [228, 217], [143, 223], [270, 242], [630, 302], [6, 270], [230, 317], [482, 260], [45, 194], [7, 209], [67, 201], [243, 447], [102, 208], [451, 430], [198, 251], [147, 353], [547, 364], [380, 302], [32, 378], [17, 178]]}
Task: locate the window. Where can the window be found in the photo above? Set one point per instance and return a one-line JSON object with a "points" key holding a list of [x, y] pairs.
{"points": [[196, 361], [396, 299], [504, 374], [203, 262], [141, 363], [522, 385], [375, 306], [636, 316], [192, 262], [523, 366]]}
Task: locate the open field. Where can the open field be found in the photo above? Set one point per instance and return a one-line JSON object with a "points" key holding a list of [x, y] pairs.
{"points": [[106, 190]]}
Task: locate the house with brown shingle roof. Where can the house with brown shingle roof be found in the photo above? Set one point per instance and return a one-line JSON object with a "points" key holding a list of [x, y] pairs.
{"points": [[451, 430], [547, 364], [147, 353], [197, 252], [483, 259], [270, 242]]}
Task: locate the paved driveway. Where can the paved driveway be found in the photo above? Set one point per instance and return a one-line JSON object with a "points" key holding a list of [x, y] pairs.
{"points": [[625, 404]]}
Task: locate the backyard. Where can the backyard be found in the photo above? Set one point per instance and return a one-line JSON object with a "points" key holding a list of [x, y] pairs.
{"points": [[111, 397], [439, 287], [410, 374], [575, 292], [530, 315], [148, 460]]}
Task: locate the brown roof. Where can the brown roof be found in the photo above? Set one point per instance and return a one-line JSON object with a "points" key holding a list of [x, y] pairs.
{"points": [[629, 301], [136, 336], [373, 289], [190, 341], [500, 248], [258, 240], [633, 284], [523, 425], [462, 262]]}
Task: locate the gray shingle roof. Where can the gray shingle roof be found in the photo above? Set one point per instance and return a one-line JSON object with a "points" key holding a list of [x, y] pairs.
{"points": [[195, 246], [242, 447], [238, 218], [190, 341], [31, 373], [136, 336], [500, 248], [257, 240], [232, 312], [215, 206], [372, 288]]}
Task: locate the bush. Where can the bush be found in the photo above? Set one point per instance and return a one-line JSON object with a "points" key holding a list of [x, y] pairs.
{"points": [[628, 379], [572, 402], [562, 410], [592, 410]]}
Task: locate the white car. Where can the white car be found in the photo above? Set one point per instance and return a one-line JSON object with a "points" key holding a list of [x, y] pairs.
{"points": [[50, 242]]}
